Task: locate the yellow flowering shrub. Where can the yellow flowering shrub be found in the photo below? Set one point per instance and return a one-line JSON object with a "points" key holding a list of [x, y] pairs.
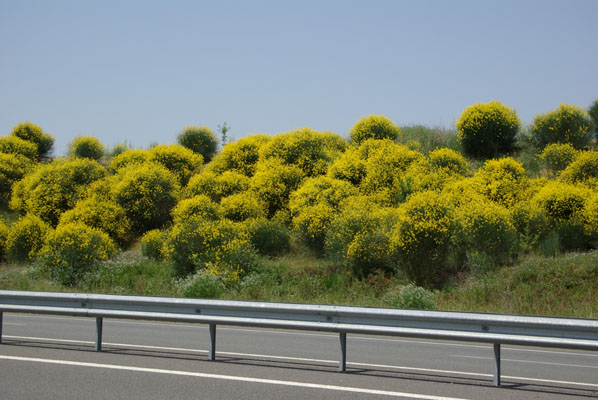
{"points": [[200, 206], [179, 160], [53, 188], [268, 237], [74, 250], [486, 227], [350, 166], [274, 182], [565, 124], [128, 158], [557, 156], [104, 215], [584, 169], [321, 189], [17, 146], [153, 244], [34, 134], [221, 247], [3, 236], [591, 219], [217, 186], [13, 168], [147, 193], [462, 191], [311, 223], [423, 239], [200, 140], [86, 147], [448, 160], [242, 206], [374, 127], [240, 156], [531, 222], [503, 181], [309, 150], [486, 130], [25, 238]]}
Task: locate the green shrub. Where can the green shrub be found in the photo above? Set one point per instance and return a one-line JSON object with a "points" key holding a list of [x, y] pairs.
{"points": [[152, 244], [222, 247], [423, 239], [240, 156], [531, 222], [73, 250], [34, 134], [557, 156], [147, 193], [200, 140], [200, 206], [127, 158], [203, 285], [593, 114], [584, 169], [104, 215], [217, 186], [86, 147], [18, 146], [565, 124], [411, 296], [179, 160], [503, 181], [242, 206], [269, 237], [26, 238], [54, 188], [13, 168], [274, 182], [374, 127], [309, 150], [488, 130]]}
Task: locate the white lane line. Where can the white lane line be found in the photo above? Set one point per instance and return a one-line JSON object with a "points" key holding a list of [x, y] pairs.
{"points": [[12, 323], [231, 378], [528, 361], [327, 335], [311, 360]]}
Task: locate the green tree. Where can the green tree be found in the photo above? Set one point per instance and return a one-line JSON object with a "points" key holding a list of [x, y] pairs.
{"points": [[223, 131], [593, 113]]}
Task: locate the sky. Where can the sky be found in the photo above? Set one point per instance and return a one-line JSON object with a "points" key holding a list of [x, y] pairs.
{"points": [[140, 71]]}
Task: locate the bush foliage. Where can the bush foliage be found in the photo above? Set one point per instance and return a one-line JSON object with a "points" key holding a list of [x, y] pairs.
{"points": [[200, 140], [374, 127], [565, 124], [86, 147]]}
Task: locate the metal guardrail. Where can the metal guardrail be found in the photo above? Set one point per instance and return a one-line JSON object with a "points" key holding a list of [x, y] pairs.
{"points": [[471, 327]]}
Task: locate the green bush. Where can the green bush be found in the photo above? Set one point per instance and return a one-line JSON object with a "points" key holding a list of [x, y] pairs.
{"points": [[240, 156], [565, 124], [488, 130], [593, 113], [423, 239], [411, 296], [242, 206], [531, 222], [54, 188], [17, 146], [147, 193], [34, 134], [152, 244], [104, 215], [179, 160], [128, 158], [86, 147], [584, 169], [557, 156], [13, 168], [200, 140], [74, 250], [374, 127], [269, 237], [200, 206], [202, 285], [217, 186], [26, 238]]}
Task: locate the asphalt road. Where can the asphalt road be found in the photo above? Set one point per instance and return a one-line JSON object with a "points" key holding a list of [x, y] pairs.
{"points": [[47, 357]]}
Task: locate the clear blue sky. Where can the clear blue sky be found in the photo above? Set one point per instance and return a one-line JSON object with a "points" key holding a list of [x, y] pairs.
{"points": [[142, 70]]}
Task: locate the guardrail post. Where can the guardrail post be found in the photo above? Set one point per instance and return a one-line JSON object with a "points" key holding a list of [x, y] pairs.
{"points": [[496, 364], [342, 367], [212, 355], [99, 325], [1, 326]]}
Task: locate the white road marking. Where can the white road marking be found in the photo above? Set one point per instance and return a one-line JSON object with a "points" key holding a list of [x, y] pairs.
{"points": [[327, 335], [231, 378], [313, 360], [528, 361]]}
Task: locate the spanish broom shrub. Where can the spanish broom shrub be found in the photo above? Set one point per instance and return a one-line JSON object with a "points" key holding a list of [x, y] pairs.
{"points": [[240, 156], [565, 124], [18, 146], [25, 238], [128, 158], [503, 181], [217, 186], [268, 237], [584, 169], [153, 244], [557, 156], [488, 130], [200, 206], [273, 184], [374, 127], [13, 168], [200, 140], [181, 161], [74, 250], [242, 206], [448, 160], [34, 134], [86, 147], [3, 236]]}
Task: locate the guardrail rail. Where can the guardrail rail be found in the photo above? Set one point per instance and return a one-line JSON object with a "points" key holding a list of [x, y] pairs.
{"points": [[496, 329]]}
